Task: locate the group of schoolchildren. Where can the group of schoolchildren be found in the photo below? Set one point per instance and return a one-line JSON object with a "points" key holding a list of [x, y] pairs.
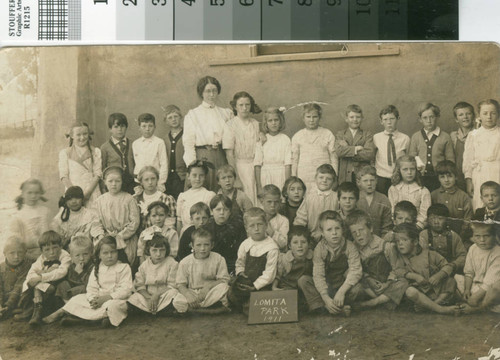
{"points": [[362, 220]]}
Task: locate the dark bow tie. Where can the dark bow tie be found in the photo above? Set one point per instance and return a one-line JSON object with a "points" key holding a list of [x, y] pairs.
{"points": [[49, 263]]}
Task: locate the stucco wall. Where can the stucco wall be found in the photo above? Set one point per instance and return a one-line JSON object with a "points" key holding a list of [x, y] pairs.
{"points": [[141, 79]]}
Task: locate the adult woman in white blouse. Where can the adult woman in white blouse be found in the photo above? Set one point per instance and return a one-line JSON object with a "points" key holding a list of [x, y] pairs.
{"points": [[204, 128]]}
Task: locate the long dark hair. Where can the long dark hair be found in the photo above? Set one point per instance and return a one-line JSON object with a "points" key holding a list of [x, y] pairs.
{"points": [[20, 200]]}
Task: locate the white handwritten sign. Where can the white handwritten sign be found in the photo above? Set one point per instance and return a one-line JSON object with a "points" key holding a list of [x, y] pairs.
{"points": [[268, 307]]}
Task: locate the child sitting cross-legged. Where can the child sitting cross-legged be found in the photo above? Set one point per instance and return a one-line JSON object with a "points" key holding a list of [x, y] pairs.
{"points": [[257, 260], [109, 287], [43, 277], [202, 278], [82, 264], [337, 267], [295, 269], [378, 281], [428, 272], [440, 238], [12, 275], [155, 281], [480, 288]]}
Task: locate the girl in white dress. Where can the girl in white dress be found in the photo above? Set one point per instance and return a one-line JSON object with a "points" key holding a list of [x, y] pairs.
{"points": [[312, 146], [273, 159], [155, 281], [110, 285], [240, 139], [482, 151], [80, 163], [32, 218]]}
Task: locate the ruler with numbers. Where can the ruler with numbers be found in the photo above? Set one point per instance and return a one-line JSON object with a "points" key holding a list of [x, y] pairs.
{"points": [[158, 20]]}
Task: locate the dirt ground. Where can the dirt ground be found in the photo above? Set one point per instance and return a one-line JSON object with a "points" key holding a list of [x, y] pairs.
{"points": [[376, 334]]}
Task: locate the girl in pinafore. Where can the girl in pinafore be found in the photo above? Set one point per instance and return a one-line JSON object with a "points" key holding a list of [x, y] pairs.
{"points": [[273, 159], [32, 218], [482, 151], [204, 128], [80, 164], [312, 146], [240, 140]]}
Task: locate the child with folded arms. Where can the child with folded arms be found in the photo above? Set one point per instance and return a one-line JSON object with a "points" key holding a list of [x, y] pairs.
{"points": [[202, 277], [44, 276]]}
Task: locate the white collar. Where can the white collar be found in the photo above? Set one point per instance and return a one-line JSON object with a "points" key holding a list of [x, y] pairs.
{"points": [[116, 141], [353, 132], [207, 105], [436, 132]]}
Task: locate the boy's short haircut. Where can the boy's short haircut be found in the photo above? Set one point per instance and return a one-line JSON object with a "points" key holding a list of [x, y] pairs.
{"points": [[299, 230], [407, 207], [389, 109], [312, 107], [203, 82], [14, 240], [50, 238], [221, 198], [80, 241], [158, 241], [366, 170], [172, 109], [201, 233], [348, 187], [270, 189], [224, 169], [353, 108], [146, 118], [446, 167], [410, 230], [156, 204], [358, 216], [492, 228], [292, 180], [148, 168], [490, 185], [198, 208], [429, 106], [254, 212], [464, 105], [332, 215], [118, 119], [326, 169], [438, 210]]}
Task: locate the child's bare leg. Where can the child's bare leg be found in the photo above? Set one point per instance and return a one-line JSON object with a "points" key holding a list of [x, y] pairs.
{"points": [[56, 315], [442, 298], [379, 300], [480, 301], [421, 299]]}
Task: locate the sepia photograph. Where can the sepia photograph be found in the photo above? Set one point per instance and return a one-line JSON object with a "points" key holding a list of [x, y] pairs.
{"points": [[311, 200]]}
